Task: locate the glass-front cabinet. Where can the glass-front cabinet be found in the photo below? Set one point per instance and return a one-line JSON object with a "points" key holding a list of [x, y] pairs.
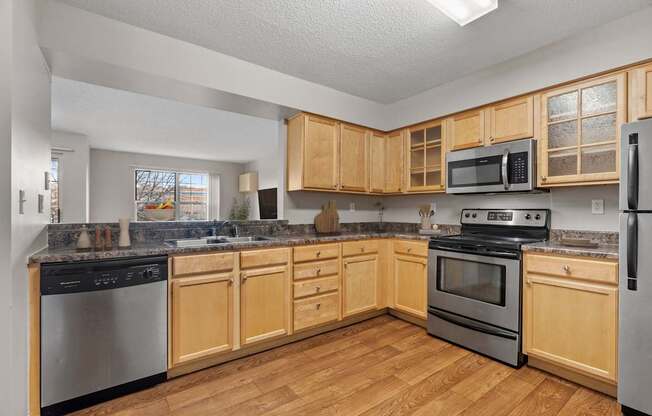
{"points": [[581, 132], [426, 157]]}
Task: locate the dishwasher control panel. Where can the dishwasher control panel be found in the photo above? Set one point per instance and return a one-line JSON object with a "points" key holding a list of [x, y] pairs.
{"points": [[62, 278]]}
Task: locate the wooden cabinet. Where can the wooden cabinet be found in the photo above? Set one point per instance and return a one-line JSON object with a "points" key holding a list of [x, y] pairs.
{"points": [[377, 157], [410, 277], [354, 158], [570, 316], [580, 132], [511, 120], [201, 316], [426, 157], [466, 130], [394, 162], [640, 92], [264, 303], [360, 288], [312, 153]]}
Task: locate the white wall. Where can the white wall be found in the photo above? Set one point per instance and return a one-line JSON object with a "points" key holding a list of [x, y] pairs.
{"points": [[28, 145], [73, 175], [112, 181]]}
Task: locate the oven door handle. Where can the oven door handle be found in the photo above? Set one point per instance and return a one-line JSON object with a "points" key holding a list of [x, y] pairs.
{"points": [[503, 168], [469, 325]]}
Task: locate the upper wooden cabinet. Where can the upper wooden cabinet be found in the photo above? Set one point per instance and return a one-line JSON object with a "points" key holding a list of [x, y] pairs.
{"points": [[640, 92], [202, 316], [580, 132], [511, 120], [426, 153], [354, 159], [466, 130], [312, 153], [377, 147], [394, 162]]}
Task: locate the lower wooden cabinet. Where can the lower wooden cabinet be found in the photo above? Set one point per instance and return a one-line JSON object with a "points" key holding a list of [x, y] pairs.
{"points": [[360, 288], [570, 321], [410, 285], [264, 304], [316, 310], [201, 316]]}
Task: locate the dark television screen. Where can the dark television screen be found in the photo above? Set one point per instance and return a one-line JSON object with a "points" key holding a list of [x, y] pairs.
{"points": [[267, 204]]}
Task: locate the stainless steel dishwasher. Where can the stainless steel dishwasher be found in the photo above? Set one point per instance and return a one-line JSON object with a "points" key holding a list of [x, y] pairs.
{"points": [[103, 330]]}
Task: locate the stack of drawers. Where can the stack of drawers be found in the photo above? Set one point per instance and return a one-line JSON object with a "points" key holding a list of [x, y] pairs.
{"points": [[316, 286]]}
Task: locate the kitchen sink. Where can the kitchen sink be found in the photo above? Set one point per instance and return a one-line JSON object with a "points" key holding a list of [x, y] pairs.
{"points": [[217, 240]]}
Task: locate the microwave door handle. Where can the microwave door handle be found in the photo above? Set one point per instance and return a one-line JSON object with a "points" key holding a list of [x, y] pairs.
{"points": [[503, 168]]}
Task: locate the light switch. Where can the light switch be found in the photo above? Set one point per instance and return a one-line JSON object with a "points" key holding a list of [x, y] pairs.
{"points": [[597, 207]]}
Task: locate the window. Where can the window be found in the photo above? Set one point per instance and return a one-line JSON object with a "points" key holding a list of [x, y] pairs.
{"points": [[162, 195], [55, 208]]}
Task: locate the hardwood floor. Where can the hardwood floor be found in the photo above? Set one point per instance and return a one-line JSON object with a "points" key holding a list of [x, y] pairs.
{"points": [[383, 366]]}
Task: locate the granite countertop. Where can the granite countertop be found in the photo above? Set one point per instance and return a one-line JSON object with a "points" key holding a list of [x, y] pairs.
{"points": [[50, 255], [603, 251]]}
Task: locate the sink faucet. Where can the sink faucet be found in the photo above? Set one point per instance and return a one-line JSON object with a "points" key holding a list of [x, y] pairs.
{"points": [[234, 228]]}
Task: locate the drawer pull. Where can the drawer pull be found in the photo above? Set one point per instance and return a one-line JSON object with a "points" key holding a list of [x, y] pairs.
{"points": [[230, 280], [317, 289], [409, 250], [318, 253], [567, 268], [318, 306], [318, 271]]}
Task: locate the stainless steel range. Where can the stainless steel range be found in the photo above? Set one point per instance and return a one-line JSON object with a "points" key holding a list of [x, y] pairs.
{"points": [[474, 280]]}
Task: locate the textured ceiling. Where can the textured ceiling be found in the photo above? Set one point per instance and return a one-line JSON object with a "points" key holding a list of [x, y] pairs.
{"points": [[125, 121], [383, 50]]}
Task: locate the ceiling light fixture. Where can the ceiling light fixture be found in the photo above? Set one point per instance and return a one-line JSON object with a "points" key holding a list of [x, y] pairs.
{"points": [[465, 11]]}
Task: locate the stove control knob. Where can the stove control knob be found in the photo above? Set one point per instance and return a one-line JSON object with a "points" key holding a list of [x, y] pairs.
{"points": [[474, 215], [528, 216], [537, 217], [467, 215]]}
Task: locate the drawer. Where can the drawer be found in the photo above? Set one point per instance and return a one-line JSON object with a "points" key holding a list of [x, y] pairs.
{"points": [[316, 269], [352, 248], [317, 252], [412, 248], [264, 258], [315, 286], [583, 269], [202, 263], [315, 310]]}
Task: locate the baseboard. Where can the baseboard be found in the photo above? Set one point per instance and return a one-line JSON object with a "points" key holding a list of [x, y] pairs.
{"points": [[592, 383], [423, 323]]}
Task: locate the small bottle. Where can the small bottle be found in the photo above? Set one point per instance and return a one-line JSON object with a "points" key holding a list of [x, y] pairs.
{"points": [[99, 244], [84, 241], [108, 241]]}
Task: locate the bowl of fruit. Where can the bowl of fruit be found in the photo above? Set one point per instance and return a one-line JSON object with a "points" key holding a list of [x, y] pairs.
{"points": [[163, 211]]}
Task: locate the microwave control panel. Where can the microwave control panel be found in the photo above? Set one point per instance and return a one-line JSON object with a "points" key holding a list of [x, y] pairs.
{"points": [[518, 169]]}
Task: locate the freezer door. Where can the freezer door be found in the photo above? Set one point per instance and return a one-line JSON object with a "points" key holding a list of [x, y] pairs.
{"points": [[635, 312], [636, 166]]}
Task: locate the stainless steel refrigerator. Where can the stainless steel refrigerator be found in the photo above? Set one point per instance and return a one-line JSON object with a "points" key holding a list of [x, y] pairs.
{"points": [[635, 303]]}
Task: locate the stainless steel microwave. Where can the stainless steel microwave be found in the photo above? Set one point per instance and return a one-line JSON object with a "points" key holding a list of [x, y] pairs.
{"points": [[506, 167]]}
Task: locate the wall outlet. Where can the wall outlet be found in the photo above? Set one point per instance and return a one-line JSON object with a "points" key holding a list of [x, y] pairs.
{"points": [[352, 206], [597, 206], [433, 207]]}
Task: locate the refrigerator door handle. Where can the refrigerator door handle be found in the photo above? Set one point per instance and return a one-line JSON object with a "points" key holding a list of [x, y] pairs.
{"points": [[632, 245], [632, 172]]}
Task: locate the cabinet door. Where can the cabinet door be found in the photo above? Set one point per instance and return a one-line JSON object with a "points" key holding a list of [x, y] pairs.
{"points": [[467, 130], [320, 167], [410, 285], [202, 316], [353, 158], [580, 134], [426, 157], [377, 162], [573, 324], [641, 92], [512, 120], [360, 284], [394, 162], [264, 304]]}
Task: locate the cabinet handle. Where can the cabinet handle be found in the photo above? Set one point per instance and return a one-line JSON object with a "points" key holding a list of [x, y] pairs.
{"points": [[318, 306], [231, 280], [361, 249], [318, 271], [317, 289], [543, 179], [244, 278], [409, 250], [318, 253], [566, 268], [491, 139]]}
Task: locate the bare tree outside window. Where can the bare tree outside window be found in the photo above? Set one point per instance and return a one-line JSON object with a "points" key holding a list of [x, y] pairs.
{"points": [[187, 193], [55, 203]]}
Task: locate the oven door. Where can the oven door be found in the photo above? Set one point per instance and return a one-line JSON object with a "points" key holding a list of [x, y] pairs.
{"points": [[483, 288]]}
